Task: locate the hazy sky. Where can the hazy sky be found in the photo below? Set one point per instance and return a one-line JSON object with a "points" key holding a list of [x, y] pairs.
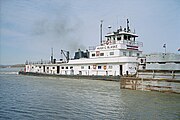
{"points": [[29, 28]]}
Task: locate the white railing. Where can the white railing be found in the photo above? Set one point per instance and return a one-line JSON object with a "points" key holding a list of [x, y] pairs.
{"points": [[38, 62], [135, 43]]}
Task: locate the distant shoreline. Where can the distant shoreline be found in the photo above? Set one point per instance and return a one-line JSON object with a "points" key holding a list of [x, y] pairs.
{"points": [[12, 66]]}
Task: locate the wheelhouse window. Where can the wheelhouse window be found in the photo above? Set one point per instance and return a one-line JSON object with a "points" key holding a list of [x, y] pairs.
{"points": [[125, 37], [138, 54], [130, 53], [124, 53], [93, 54], [99, 67], [118, 38], [162, 62]]}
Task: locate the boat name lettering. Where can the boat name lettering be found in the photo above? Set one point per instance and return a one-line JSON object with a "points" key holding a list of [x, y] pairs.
{"points": [[107, 47]]}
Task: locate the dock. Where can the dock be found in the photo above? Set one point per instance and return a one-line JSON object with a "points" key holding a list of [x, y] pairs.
{"points": [[147, 84]]}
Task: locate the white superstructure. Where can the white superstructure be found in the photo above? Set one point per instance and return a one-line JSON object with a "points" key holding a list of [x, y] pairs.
{"points": [[117, 55]]}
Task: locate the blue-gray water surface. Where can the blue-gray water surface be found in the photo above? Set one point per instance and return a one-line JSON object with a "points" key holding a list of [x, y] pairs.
{"points": [[48, 98]]}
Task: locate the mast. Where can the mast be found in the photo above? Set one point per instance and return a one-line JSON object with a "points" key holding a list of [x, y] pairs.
{"points": [[51, 55], [101, 32]]}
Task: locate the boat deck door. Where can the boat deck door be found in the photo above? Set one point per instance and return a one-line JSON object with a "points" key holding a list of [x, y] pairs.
{"points": [[121, 69]]}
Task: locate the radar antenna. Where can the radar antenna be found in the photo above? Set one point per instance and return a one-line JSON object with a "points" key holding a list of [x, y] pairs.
{"points": [[128, 29]]}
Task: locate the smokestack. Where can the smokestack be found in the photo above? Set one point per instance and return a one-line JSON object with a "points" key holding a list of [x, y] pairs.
{"points": [[79, 50], [67, 56], [128, 29]]}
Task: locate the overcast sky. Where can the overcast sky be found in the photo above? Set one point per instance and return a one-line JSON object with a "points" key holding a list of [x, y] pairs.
{"points": [[29, 28]]}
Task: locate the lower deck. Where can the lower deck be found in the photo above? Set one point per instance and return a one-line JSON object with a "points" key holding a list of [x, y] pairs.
{"points": [[93, 77], [115, 69]]}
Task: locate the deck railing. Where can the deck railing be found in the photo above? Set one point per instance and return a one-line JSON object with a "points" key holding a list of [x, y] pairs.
{"points": [[135, 43], [38, 62]]}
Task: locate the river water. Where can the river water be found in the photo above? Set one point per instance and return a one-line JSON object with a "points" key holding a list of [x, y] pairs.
{"points": [[48, 98]]}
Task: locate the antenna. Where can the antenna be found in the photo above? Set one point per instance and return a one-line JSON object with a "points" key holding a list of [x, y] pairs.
{"points": [[120, 28], [109, 28], [127, 25], [101, 32], [164, 46], [117, 22]]}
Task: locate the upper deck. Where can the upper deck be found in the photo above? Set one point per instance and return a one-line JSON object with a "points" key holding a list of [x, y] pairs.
{"points": [[121, 42]]}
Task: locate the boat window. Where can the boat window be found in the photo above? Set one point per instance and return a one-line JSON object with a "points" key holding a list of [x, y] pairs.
{"points": [[111, 53], [93, 54], [62, 67], [80, 72], [71, 67], [118, 38], [53, 68], [66, 67], [47, 67], [125, 37], [110, 67], [39, 66], [137, 54], [130, 53], [162, 62], [124, 53], [101, 54], [89, 67], [99, 67]]}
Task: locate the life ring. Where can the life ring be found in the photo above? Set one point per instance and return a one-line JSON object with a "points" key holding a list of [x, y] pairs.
{"points": [[97, 53], [104, 67], [107, 42], [94, 66]]}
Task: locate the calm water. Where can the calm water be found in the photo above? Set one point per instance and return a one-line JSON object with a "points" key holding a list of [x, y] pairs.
{"points": [[29, 97]]}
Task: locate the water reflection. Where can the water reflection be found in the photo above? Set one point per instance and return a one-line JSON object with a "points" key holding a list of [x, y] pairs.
{"points": [[27, 97]]}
